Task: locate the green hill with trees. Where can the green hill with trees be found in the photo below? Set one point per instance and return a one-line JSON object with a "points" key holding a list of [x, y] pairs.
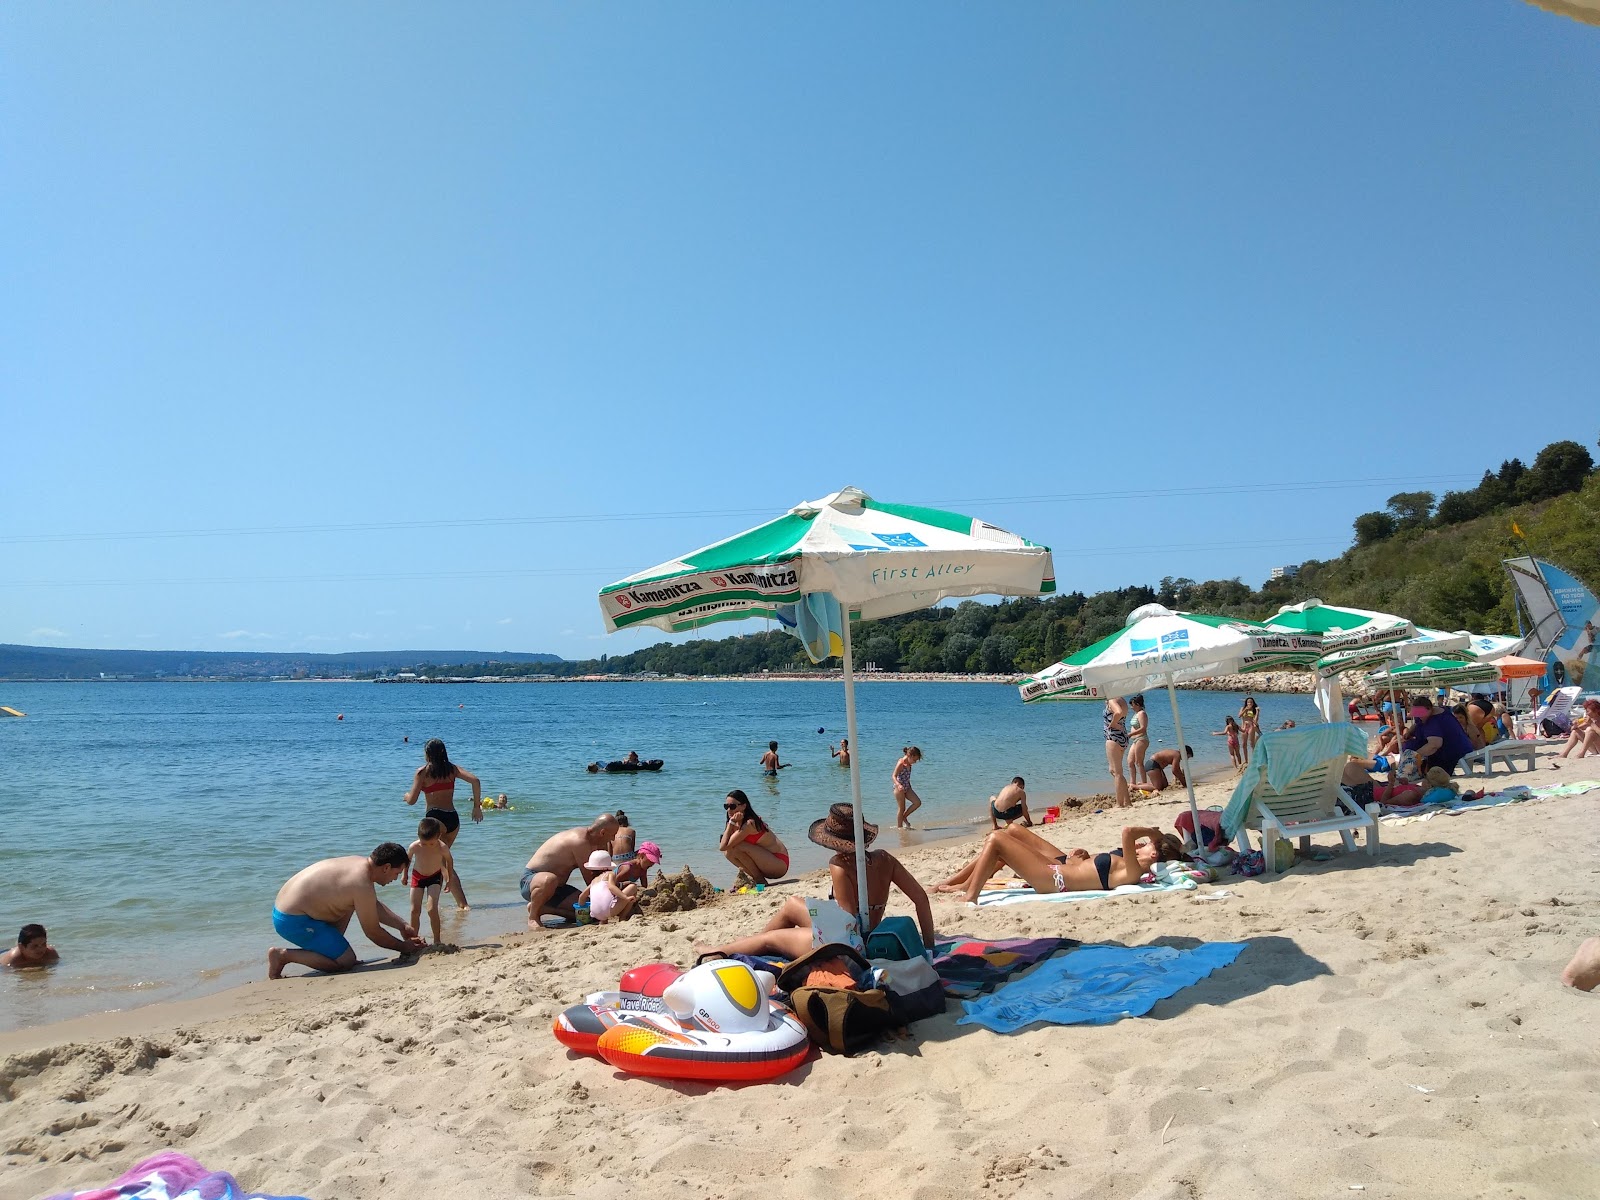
{"points": [[1434, 559]]}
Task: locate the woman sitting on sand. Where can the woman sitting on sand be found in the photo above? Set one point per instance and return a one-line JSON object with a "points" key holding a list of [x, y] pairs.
{"points": [[1047, 870], [1585, 736], [748, 844], [803, 923]]}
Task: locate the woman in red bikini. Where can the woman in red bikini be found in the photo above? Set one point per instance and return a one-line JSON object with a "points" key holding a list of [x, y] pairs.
{"points": [[748, 844], [436, 779]]}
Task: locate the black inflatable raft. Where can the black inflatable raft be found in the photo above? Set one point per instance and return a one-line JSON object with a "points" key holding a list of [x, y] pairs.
{"points": [[619, 767]]}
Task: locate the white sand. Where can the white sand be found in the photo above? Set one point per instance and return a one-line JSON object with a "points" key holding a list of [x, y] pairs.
{"points": [[1295, 1072]]}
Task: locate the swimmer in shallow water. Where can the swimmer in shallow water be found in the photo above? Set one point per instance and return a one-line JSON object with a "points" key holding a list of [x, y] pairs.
{"points": [[33, 949]]}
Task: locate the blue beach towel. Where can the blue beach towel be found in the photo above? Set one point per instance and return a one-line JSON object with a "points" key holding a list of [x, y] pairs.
{"points": [[1096, 985]]}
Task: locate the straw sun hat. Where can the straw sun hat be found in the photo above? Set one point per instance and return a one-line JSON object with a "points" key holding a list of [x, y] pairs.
{"points": [[837, 830]]}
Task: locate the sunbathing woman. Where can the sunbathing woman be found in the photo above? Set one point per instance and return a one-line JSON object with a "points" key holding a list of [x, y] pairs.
{"points": [[748, 844], [1585, 736], [1047, 869], [802, 923]]}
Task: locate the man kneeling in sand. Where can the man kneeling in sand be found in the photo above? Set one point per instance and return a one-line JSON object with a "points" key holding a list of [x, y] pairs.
{"points": [[1163, 761], [314, 908], [544, 879]]}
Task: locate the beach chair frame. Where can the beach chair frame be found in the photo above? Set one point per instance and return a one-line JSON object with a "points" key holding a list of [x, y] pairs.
{"points": [[1312, 803], [1505, 749]]}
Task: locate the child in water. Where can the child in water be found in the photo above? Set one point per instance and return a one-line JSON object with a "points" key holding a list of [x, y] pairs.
{"points": [[33, 949], [431, 868], [1230, 730]]}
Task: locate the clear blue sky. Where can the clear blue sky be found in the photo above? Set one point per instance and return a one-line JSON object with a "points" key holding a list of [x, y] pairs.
{"points": [[388, 286]]}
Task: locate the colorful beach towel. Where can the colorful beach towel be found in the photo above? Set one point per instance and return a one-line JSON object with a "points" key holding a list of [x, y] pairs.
{"points": [[970, 967], [171, 1176], [1517, 794], [1096, 985], [1019, 895]]}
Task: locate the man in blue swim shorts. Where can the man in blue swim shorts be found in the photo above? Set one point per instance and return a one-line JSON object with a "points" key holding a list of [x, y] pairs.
{"points": [[314, 908]]}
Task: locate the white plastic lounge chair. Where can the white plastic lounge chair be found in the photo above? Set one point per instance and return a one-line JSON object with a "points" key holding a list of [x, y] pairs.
{"points": [[1558, 709], [1505, 750], [1291, 789]]}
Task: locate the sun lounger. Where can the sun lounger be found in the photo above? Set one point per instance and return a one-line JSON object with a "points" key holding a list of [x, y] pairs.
{"points": [[1506, 750], [1291, 789], [1557, 709]]}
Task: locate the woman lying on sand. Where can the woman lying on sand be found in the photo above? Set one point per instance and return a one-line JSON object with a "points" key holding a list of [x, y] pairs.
{"points": [[1047, 870], [803, 923]]}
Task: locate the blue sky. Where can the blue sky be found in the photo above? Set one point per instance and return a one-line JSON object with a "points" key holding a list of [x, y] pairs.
{"points": [[322, 325]]}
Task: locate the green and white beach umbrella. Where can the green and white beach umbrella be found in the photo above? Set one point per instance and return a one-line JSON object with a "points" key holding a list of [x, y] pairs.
{"points": [[823, 562], [875, 558], [1439, 672], [1159, 648], [1352, 638], [1198, 645]]}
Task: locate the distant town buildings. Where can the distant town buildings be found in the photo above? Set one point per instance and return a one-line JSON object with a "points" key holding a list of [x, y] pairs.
{"points": [[1283, 573]]}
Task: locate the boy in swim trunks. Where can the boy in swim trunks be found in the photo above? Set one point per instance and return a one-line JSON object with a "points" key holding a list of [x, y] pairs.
{"points": [[769, 761], [314, 908], [431, 868], [33, 949]]}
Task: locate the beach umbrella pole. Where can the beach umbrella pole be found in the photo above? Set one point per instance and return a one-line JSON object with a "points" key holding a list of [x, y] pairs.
{"points": [[1187, 763], [855, 777]]}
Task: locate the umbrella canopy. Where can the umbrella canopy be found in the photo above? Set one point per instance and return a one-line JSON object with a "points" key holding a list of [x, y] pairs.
{"points": [[1157, 642], [1438, 672], [1159, 647], [878, 559], [1352, 638], [1512, 667], [847, 550], [1488, 646]]}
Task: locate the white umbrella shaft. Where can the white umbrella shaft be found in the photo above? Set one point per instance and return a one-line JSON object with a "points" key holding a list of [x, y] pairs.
{"points": [[1188, 774], [855, 778]]}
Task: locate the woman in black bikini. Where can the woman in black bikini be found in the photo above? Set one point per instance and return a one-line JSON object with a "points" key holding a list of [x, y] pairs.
{"points": [[436, 779], [1047, 870], [1115, 720]]}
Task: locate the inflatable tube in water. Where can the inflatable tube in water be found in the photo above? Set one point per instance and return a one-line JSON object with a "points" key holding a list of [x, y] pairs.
{"points": [[720, 1027], [579, 1027], [618, 766]]}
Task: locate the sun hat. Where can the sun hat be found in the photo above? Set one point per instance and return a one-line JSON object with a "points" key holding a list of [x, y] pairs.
{"points": [[651, 851], [598, 861], [837, 830]]}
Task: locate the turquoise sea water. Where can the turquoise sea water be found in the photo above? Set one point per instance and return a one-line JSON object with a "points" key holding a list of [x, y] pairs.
{"points": [[152, 824]]}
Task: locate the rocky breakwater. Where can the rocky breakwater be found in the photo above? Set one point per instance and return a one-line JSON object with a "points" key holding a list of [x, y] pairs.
{"points": [[1265, 682]]}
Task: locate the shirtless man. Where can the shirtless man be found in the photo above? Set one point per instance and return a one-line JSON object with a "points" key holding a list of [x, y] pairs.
{"points": [[1163, 761], [769, 761], [314, 908], [544, 879], [33, 949], [1011, 804]]}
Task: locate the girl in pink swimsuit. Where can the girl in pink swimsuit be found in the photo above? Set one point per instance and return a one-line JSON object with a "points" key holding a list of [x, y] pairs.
{"points": [[906, 801]]}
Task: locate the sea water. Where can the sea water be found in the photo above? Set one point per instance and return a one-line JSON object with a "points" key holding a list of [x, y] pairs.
{"points": [[150, 825]]}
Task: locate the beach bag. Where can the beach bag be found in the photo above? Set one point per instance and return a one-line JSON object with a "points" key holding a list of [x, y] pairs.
{"points": [[895, 938], [838, 1019]]}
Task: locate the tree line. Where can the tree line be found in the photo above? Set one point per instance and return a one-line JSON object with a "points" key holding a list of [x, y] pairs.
{"points": [[1437, 563]]}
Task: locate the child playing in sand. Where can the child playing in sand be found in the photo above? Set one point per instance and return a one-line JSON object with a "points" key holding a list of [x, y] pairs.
{"points": [[1230, 730], [431, 868], [606, 899], [33, 949]]}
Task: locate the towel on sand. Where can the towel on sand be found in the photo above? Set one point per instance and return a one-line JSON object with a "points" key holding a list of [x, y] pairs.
{"points": [[171, 1176], [992, 896], [1096, 985], [970, 967]]}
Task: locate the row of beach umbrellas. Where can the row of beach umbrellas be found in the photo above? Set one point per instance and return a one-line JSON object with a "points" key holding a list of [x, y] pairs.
{"points": [[849, 556]]}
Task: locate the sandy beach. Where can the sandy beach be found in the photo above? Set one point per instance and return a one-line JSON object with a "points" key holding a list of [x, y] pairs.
{"points": [[1395, 1026]]}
